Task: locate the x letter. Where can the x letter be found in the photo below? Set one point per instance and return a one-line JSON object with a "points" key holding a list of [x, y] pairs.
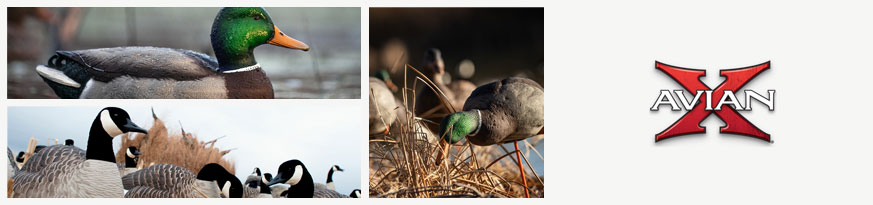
{"points": [[690, 122]]}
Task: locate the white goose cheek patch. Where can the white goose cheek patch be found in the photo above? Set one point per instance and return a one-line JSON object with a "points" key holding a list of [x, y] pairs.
{"points": [[109, 125], [298, 174], [226, 189], [129, 154]]}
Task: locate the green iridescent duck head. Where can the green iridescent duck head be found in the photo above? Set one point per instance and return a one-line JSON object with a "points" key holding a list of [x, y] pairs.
{"points": [[236, 32], [454, 127]]}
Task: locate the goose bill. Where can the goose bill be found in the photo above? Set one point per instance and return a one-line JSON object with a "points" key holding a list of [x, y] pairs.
{"points": [[131, 127], [280, 39]]}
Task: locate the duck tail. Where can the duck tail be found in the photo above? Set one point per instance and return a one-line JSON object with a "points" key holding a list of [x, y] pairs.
{"points": [[64, 76]]}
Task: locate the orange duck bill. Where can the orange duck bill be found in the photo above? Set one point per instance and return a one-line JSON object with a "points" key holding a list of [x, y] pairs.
{"points": [[280, 39]]}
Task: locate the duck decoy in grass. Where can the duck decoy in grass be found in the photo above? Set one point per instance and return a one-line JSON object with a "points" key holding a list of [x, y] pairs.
{"points": [[61, 171], [171, 181], [355, 193], [131, 157], [382, 107], [499, 112], [427, 103], [150, 72], [329, 182], [299, 182]]}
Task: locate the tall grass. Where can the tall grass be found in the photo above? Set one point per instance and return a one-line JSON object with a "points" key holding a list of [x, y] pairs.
{"points": [[403, 163], [185, 150]]}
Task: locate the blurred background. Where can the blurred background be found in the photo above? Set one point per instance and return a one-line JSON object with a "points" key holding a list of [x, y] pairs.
{"points": [[481, 45], [330, 70], [477, 44], [257, 136]]}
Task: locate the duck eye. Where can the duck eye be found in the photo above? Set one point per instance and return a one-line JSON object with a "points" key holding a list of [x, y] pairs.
{"points": [[257, 18]]}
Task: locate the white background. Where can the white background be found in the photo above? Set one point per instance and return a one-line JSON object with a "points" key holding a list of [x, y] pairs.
{"points": [[820, 62], [602, 81]]}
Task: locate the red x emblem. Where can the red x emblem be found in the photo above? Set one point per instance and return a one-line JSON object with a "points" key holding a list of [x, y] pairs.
{"points": [[690, 122]]}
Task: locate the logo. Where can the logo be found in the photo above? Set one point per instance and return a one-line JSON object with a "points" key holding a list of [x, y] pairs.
{"points": [[702, 105]]}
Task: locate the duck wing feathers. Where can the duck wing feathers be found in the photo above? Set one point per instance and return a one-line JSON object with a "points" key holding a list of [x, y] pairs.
{"points": [[105, 64], [512, 109]]}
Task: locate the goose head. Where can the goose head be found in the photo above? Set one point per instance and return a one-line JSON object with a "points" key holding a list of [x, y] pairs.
{"points": [[236, 31], [456, 126], [69, 142], [336, 168], [115, 121], [355, 193], [294, 174], [229, 185], [131, 157]]}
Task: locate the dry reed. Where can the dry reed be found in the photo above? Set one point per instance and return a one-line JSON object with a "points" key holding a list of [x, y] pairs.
{"points": [[186, 150], [403, 162]]}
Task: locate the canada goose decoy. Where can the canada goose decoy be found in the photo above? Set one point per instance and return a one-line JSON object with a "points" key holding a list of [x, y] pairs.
{"points": [[61, 171], [255, 186], [329, 182], [69, 142], [171, 181], [131, 157], [295, 175], [20, 157], [499, 112], [267, 178], [355, 193], [150, 72]]}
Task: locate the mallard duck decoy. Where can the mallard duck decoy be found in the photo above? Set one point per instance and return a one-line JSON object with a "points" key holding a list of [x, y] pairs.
{"points": [[499, 112], [62, 171], [171, 181], [296, 177], [382, 104], [427, 104], [150, 72]]}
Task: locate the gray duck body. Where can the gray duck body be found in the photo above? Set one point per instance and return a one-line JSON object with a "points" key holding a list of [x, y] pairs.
{"points": [[512, 109], [168, 181], [61, 171], [384, 104], [151, 72]]}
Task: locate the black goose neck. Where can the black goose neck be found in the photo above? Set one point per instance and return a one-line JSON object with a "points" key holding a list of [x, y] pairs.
{"points": [[99, 143], [330, 176], [304, 188]]}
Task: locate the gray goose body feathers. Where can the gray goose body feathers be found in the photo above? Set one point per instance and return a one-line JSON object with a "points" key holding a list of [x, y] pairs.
{"points": [[62, 171], [171, 181]]}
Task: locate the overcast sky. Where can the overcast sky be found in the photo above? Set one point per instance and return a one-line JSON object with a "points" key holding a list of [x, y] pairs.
{"points": [[320, 135]]}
